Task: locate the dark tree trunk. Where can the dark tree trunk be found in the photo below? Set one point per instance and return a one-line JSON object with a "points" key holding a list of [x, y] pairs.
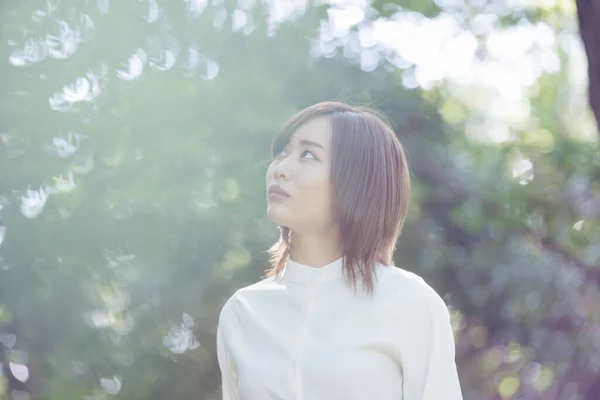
{"points": [[589, 27], [588, 12]]}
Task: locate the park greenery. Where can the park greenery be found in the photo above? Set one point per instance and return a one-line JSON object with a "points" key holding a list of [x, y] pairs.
{"points": [[134, 139]]}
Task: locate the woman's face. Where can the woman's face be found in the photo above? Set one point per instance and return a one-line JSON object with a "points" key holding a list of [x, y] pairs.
{"points": [[302, 172]]}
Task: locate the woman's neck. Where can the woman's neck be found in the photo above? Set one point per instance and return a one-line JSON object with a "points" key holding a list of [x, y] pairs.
{"points": [[315, 250]]}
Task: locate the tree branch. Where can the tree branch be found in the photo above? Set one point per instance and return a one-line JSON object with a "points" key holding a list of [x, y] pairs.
{"points": [[591, 273]]}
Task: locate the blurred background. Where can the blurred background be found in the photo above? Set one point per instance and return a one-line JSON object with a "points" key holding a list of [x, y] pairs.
{"points": [[134, 139]]}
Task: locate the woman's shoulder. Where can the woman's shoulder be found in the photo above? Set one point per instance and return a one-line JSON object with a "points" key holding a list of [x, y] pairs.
{"points": [[246, 294], [404, 288]]}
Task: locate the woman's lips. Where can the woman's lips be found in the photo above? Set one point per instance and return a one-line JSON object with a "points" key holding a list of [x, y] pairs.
{"points": [[277, 193]]}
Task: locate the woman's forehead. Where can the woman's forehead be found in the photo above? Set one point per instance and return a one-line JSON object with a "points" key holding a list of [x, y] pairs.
{"points": [[315, 130]]}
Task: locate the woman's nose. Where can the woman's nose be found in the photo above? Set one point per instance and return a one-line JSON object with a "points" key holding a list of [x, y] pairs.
{"points": [[282, 170]]}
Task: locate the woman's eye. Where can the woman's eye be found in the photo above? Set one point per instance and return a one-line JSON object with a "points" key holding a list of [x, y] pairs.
{"points": [[304, 154], [308, 152], [280, 154]]}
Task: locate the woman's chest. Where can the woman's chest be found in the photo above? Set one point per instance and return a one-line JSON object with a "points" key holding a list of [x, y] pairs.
{"points": [[315, 348]]}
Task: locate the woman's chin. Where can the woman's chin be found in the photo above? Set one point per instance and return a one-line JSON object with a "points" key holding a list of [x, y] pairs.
{"points": [[275, 214]]}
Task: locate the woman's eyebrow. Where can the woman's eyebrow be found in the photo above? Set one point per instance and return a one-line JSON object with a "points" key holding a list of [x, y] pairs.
{"points": [[311, 143]]}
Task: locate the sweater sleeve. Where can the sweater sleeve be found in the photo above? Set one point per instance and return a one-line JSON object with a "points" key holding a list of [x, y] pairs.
{"points": [[427, 348], [226, 327]]}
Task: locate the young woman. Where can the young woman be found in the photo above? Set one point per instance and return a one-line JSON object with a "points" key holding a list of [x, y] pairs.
{"points": [[334, 319]]}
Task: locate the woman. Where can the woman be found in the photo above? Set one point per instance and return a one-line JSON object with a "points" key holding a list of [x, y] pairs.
{"points": [[334, 319]]}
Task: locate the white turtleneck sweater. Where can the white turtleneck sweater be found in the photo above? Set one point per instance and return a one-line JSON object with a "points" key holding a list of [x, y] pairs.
{"points": [[307, 336]]}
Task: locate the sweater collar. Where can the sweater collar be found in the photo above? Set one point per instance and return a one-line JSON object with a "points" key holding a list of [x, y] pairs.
{"points": [[296, 272]]}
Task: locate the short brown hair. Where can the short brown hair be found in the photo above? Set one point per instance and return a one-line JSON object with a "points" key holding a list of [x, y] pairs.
{"points": [[370, 184]]}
